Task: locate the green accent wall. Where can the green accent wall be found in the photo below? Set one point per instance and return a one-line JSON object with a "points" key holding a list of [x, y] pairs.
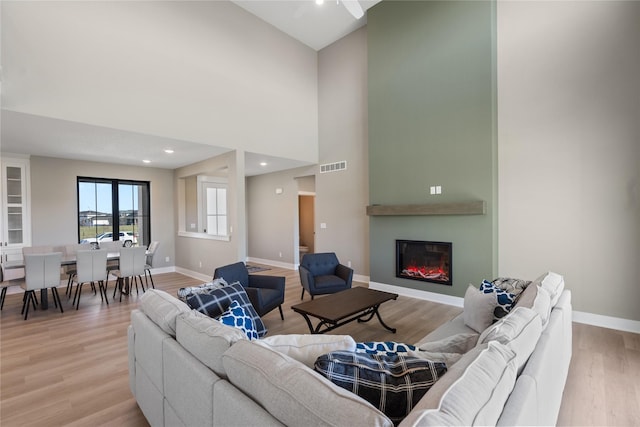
{"points": [[432, 114]]}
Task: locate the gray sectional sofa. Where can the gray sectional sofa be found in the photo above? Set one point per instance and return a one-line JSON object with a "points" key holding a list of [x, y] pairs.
{"points": [[186, 369]]}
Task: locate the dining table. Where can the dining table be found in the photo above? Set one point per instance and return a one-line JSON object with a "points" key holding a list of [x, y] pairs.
{"points": [[67, 260]]}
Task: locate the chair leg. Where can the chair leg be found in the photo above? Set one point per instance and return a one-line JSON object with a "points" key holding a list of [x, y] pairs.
{"points": [[79, 292], [69, 285], [103, 291], [150, 277], [281, 315], [99, 288], [24, 301], [302, 296], [75, 294], [3, 294], [25, 307], [55, 303], [54, 292]]}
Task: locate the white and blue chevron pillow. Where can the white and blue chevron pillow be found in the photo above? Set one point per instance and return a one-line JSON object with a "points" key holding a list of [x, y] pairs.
{"points": [[236, 317], [383, 347], [504, 299]]}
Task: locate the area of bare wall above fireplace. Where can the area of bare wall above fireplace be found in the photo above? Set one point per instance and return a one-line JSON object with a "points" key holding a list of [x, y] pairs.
{"points": [[425, 261]]}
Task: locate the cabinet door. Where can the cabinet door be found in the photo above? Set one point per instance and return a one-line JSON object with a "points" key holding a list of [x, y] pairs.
{"points": [[15, 212]]}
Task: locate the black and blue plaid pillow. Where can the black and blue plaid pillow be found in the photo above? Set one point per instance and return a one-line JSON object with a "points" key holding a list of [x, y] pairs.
{"points": [[393, 383], [217, 301]]}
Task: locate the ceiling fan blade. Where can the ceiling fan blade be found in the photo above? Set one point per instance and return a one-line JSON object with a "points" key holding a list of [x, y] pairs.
{"points": [[354, 8]]}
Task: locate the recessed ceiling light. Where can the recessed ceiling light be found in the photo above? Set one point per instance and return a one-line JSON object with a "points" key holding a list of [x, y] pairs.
{"points": [[168, 151], [263, 163], [146, 161], [319, 1]]}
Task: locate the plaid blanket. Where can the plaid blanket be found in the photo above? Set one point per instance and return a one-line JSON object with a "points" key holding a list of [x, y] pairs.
{"points": [[393, 383]]}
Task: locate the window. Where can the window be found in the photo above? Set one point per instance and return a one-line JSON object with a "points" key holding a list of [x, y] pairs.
{"points": [[212, 207], [112, 207]]}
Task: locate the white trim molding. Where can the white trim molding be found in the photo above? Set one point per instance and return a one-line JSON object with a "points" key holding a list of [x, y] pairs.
{"points": [[415, 293], [279, 264], [617, 323], [194, 274], [626, 325]]}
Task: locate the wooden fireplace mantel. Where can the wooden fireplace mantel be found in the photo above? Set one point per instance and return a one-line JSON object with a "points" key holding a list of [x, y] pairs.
{"points": [[475, 207]]}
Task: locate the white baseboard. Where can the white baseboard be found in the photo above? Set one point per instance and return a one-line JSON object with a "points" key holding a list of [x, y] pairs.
{"points": [[360, 278], [414, 293], [578, 316], [204, 277], [607, 321], [272, 263]]}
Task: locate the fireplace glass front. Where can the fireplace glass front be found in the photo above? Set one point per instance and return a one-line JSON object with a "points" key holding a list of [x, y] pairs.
{"points": [[423, 260]]}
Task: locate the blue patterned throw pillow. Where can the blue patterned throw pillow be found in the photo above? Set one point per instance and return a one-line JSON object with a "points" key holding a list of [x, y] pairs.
{"points": [[216, 301], [236, 317], [383, 347], [504, 299]]}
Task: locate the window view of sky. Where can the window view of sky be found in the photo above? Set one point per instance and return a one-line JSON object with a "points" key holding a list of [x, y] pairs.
{"points": [[97, 196]]}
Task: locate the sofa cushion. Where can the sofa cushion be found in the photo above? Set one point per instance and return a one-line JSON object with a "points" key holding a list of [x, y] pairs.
{"points": [[478, 309], [206, 338], [184, 293], [519, 331], [504, 299], [457, 343], [237, 317], [554, 284], [162, 309], [472, 392], [393, 383], [293, 393], [217, 301], [306, 348], [537, 299]]}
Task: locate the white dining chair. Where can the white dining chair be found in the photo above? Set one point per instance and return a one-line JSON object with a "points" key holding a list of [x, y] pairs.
{"points": [[70, 251], [27, 250], [132, 264], [151, 251], [42, 271], [112, 247], [91, 268]]}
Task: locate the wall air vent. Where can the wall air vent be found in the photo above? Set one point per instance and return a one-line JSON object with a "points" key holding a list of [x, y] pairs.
{"points": [[333, 167]]}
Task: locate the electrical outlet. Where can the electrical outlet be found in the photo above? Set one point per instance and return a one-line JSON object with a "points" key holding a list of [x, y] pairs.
{"points": [[167, 259], [200, 264], [280, 254], [349, 264]]}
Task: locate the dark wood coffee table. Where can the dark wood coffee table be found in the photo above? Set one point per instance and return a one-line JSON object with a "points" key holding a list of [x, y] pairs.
{"points": [[338, 309]]}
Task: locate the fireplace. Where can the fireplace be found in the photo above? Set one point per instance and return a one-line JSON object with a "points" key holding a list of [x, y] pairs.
{"points": [[425, 261]]}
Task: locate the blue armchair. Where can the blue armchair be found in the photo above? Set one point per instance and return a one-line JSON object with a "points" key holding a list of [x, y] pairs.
{"points": [[323, 274], [265, 292]]}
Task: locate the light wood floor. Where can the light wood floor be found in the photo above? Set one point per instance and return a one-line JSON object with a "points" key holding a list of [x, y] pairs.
{"points": [[71, 369]]}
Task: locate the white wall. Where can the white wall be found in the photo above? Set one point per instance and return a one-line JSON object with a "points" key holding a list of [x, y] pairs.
{"points": [[273, 217], [203, 255], [203, 71], [54, 201], [569, 148], [342, 197]]}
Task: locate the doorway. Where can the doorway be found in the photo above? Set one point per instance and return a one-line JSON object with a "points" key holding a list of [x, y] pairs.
{"points": [[306, 211]]}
